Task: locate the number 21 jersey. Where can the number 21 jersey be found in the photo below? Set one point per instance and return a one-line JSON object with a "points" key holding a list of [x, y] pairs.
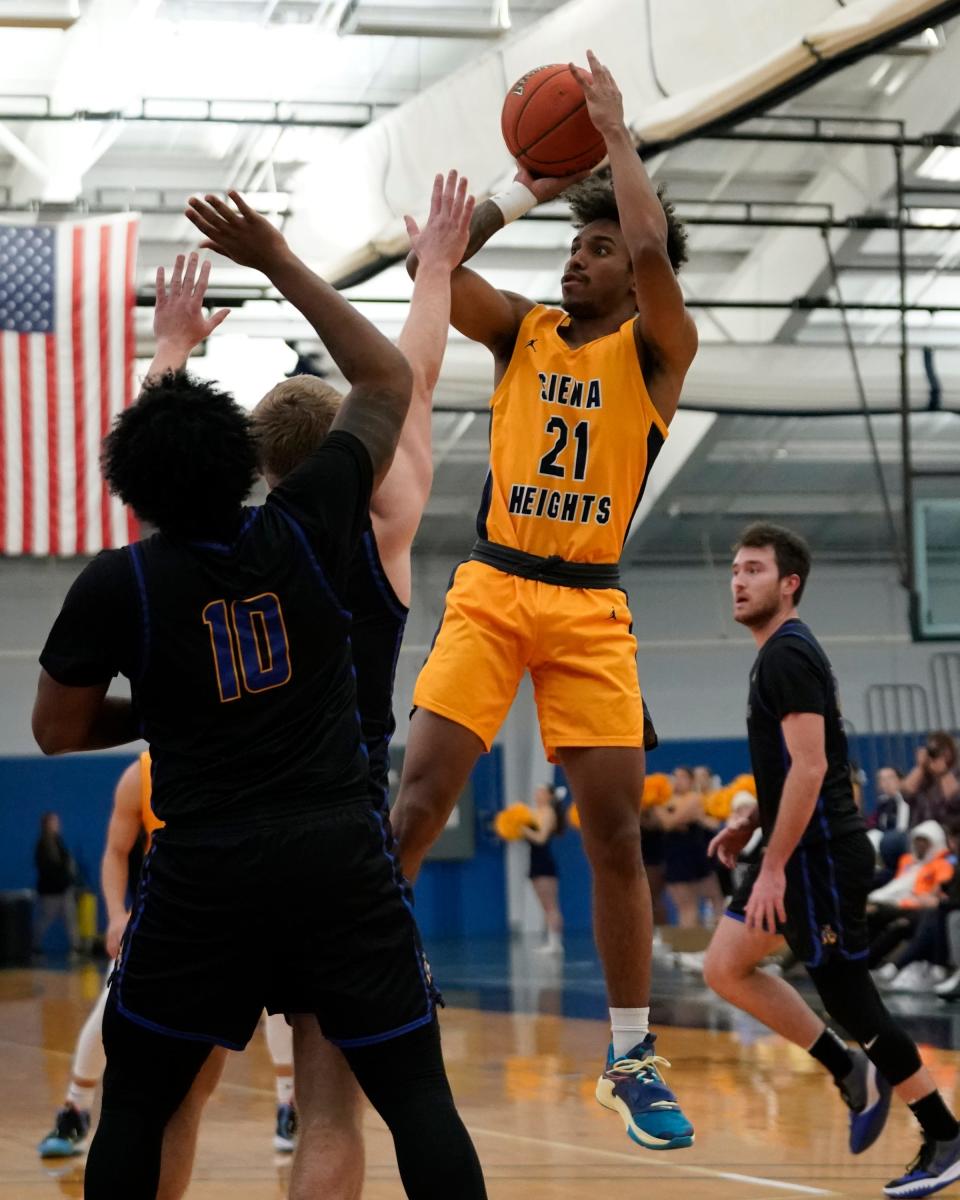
{"points": [[573, 436]]}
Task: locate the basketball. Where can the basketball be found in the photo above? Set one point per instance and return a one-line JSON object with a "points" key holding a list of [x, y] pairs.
{"points": [[546, 125]]}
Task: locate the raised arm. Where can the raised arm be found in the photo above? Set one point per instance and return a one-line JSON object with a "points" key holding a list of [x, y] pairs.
{"points": [[380, 380], [179, 321], [478, 310], [398, 502], [122, 833], [666, 331]]}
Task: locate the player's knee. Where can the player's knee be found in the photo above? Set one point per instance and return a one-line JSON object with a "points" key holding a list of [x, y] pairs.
{"points": [[717, 974], [611, 837], [419, 815], [619, 857]]}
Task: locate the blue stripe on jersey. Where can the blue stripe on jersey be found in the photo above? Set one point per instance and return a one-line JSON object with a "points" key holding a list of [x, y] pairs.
{"points": [[313, 561], [136, 559], [251, 515], [392, 601]]}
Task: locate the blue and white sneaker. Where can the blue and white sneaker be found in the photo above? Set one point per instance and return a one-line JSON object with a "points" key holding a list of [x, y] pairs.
{"points": [[867, 1094], [285, 1139], [68, 1135], [634, 1088], [935, 1167]]}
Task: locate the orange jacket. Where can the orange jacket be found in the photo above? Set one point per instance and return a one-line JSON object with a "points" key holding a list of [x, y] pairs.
{"points": [[932, 875]]}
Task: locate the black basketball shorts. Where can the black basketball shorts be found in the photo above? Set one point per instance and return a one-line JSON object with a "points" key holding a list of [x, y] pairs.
{"points": [[294, 918], [825, 901]]}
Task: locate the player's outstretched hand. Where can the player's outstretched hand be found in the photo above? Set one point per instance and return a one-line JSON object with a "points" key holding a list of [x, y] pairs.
{"points": [[239, 233], [179, 319], [443, 240], [604, 102], [728, 844]]}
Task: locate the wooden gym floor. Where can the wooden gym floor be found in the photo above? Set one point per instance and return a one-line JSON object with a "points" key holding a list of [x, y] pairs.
{"points": [[769, 1124]]}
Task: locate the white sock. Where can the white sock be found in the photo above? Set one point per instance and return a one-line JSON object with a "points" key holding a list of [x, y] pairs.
{"points": [[284, 1089], [279, 1040], [89, 1058], [628, 1026], [80, 1097]]}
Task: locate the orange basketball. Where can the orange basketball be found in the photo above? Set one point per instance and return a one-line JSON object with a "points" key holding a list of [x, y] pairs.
{"points": [[546, 126]]}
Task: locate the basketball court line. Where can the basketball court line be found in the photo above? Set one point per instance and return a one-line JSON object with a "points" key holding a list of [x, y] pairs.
{"points": [[796, 1189], [780, 1185]]}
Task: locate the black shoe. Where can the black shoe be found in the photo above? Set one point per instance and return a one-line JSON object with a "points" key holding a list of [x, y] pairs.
{"points": [[935, 1167], [867, 1094], [68, 1135]]}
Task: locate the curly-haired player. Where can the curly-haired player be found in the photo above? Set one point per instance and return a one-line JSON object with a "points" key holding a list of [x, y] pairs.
{"points": [[584, 397]]}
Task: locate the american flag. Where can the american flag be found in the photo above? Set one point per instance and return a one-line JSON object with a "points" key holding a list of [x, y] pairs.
{"points": [[66, 369]]}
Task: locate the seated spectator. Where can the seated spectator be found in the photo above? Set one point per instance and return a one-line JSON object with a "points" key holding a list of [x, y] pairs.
{"points": [[894, 910], [922, 962], [932, 788]]}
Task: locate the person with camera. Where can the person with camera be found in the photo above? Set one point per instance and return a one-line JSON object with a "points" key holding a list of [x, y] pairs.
{"points": [[932, 788]]}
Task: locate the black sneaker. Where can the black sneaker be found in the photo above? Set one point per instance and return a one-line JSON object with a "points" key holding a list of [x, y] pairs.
{"points": [[867, 1094], [68, 1135], [935, 1167], [285, 1139]]}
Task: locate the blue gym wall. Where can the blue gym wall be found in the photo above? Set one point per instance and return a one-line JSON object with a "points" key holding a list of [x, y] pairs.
{"points": [[453, 899]]}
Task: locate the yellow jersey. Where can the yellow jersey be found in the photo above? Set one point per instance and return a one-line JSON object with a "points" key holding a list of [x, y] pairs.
{"points": [[147, 815], [573, 435]]}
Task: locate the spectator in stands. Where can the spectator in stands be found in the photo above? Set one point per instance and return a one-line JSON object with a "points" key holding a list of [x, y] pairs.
{"points": [[894, 910], [932, 788], [922, 962], [705, 781], [56, 875], [889, 823], [891, 813], [690, 876]]}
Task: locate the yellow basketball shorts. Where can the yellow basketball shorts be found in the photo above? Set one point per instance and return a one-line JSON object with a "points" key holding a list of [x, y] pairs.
{"points": [[576, 643]]}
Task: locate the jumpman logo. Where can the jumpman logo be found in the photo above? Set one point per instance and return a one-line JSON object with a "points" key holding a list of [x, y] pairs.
{"points": [[531, 345]]}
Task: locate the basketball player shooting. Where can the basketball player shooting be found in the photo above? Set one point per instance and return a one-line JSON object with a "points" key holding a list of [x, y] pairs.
{"points": [[582, 403]]}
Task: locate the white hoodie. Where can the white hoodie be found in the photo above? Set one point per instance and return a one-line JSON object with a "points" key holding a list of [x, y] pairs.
{"points": [[902, 884]]}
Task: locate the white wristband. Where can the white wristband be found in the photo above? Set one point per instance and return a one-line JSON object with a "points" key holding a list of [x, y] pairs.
{"points": [[515, 201]]}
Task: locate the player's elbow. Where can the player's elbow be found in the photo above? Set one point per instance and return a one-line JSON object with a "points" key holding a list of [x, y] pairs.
{"points": [[648, 243], [51, 735], [394, 379], [815, 768]]}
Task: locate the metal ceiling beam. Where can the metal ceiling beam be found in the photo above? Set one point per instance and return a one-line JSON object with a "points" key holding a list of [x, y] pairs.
{"points": [[342, 115]]}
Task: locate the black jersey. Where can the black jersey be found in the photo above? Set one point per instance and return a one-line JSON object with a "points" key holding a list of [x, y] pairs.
{"points": [[793, 675], [238, 653], [379, 619]]}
